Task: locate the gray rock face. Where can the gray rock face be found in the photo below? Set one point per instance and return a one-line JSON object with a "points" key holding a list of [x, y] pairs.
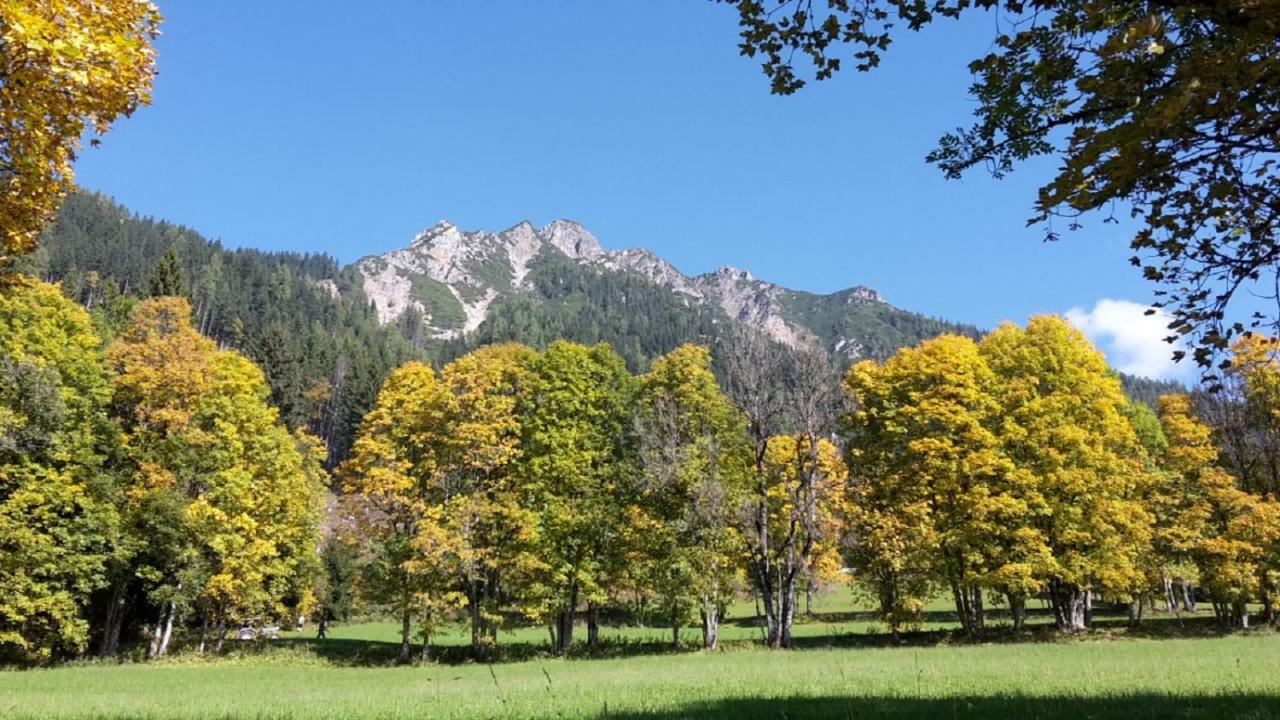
{"points": [[453, 276]]}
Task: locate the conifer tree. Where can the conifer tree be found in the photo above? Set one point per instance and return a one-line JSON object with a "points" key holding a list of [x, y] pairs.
{"points": [[167, 278]]}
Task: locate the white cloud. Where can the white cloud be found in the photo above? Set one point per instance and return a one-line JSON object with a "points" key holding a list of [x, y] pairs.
{"points": [[1132, 340]]}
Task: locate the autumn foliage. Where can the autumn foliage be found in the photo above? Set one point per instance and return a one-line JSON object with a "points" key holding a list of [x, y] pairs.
{"points": [[150, 495]]}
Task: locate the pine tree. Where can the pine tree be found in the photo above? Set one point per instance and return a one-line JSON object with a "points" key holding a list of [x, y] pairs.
{"points": [[167, 278]]}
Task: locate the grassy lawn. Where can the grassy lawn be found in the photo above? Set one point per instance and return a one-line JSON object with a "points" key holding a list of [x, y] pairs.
{"points": [[845, 668]]}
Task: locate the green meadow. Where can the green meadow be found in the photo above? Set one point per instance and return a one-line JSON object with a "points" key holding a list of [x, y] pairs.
{"points": [[844, 666]]}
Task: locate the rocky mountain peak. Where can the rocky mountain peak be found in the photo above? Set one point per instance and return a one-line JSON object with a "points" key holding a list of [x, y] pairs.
{"points": [[429, 236], [729, 272], [452, 277], [572, 239], [862, 293]]}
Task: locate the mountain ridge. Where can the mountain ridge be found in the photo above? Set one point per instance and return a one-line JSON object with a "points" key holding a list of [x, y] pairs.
{"points": [[307, 322], [453, 277]]}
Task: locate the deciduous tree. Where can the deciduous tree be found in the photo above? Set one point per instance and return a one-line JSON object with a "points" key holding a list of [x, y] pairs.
{"points": [[696, 460], [806, 503], [1077, 462], [1166, 108], [66, 66], [398, 468], [57, 523], [577, 453], [923, 447], [490, 508]]}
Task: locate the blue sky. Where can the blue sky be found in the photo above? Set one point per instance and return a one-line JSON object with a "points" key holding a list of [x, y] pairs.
{"points": [[344, 128]]}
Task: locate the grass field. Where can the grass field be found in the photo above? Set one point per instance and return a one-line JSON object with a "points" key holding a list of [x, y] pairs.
{"points": [[845, 668]]}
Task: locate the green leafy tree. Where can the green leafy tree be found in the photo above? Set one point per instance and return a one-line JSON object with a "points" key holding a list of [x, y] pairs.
{"points": [[57, 524], [167, 278], [695, 459], [577, 455], [335, 587]]}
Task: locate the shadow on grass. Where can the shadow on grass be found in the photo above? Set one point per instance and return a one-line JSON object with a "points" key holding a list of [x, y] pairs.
{"points": [[368, 653], [1043, 632], [1128, 707], [345, 652]]}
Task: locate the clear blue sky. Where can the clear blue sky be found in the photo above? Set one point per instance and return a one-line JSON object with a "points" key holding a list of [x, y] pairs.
{"points": [[344, 128]]}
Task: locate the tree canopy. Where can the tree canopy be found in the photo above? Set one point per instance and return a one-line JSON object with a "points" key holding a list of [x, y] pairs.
{"points": [[1165, 111], [65, 66]]}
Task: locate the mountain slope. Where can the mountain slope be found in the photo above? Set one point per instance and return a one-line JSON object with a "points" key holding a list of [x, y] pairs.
{"points": [[452, 284], [326, 336], [301, 317]]}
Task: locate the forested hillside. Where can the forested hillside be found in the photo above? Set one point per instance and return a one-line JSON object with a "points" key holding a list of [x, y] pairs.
{"points": [[297, 315], [308, 323], [638, 318]]}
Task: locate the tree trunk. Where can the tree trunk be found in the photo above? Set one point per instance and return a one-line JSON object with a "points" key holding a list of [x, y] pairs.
{"points": [[426, 647], [565, 631], [156, 632], [593, 625], [786, 618], [1221, 613], [760, 618], [1188, 596], [1240, 614], [115, 619], [710, 624], [961, 598], [1069, 607], [168, 631], [406, 630], [204, 633], [1170, 602], [478, 634], [222, 634], [969, 608], [1018, 608], [1135, 612], [675, 627], [164, 626]]}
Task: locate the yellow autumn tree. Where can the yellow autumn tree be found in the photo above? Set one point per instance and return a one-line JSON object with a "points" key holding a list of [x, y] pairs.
{"points": [[1229, 534], [259, 502], [1078, 464], [1251, 431], [931, 502], [805, 494], [489, 510], [66, 66], [225, 503], [399, 470]]}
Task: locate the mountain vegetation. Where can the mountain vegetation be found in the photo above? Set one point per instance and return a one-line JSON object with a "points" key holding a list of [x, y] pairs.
{"points": [[298, 316], [326, 346]]}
